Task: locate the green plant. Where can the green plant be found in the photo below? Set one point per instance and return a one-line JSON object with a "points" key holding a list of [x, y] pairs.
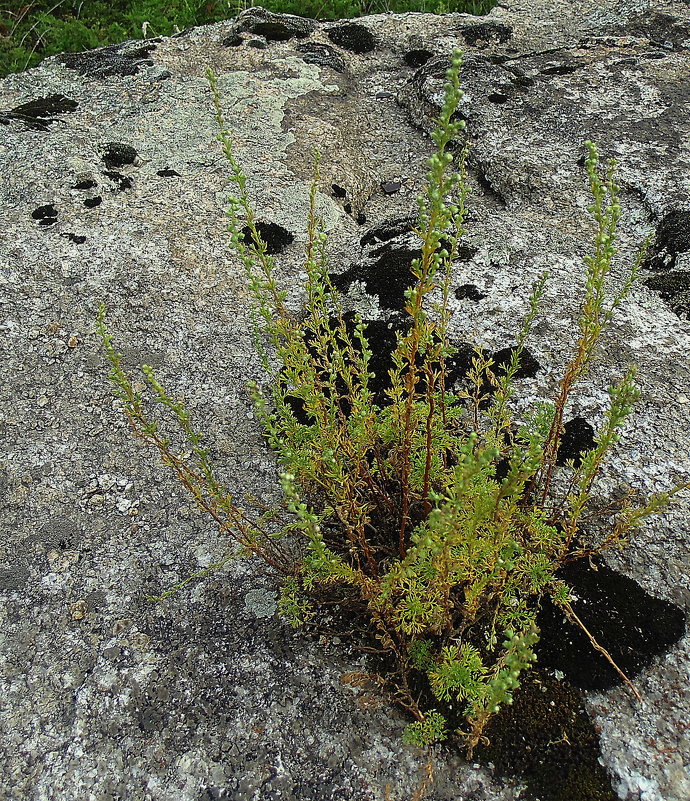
{"points": [[429, 513]]}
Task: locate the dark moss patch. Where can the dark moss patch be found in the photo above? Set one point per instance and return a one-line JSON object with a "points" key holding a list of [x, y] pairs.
{"points": [[40, 113], [273, 235], [353, 37], [417, 58], [469, 292], [483, 33], [322, 55], [46, 215], [118, 59], [632, 625], [547, 738], [577, 439], [117, 154]]}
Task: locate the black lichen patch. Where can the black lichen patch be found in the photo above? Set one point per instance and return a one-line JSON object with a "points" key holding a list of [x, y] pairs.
{"points": [[547, 738], [483, 33], [118, 59], [322, 55], [92, 202], [388, 277], [276, 27], [78, 239], [121, 181], [353, 37], [672, 237], [275, 236], [469, 292], [577, 439], [87, 183], [633, 626], [417, 58], [388, 229], [168, 173], [46, 215], [40, 113], [117, 154]]}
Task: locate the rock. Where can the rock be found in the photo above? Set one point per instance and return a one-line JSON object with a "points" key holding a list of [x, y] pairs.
{"points": [[198, 697]]}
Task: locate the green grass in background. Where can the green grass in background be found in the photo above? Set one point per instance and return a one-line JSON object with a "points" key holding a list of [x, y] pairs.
{"points": [[30, 31]]}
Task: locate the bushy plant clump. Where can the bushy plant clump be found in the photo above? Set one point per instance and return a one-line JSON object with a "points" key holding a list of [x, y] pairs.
{"points": [[431, 514]]}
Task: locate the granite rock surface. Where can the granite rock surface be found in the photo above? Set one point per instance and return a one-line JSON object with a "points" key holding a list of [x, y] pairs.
{"points": [[114, 189]]}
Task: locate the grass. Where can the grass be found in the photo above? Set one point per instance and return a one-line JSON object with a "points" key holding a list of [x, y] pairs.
{"points": [[30, 31]]}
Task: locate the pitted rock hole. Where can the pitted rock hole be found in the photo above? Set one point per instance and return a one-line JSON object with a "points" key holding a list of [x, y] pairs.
{"points": [[118, 154], [577, 439], [275, 236], [353, 37]]}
